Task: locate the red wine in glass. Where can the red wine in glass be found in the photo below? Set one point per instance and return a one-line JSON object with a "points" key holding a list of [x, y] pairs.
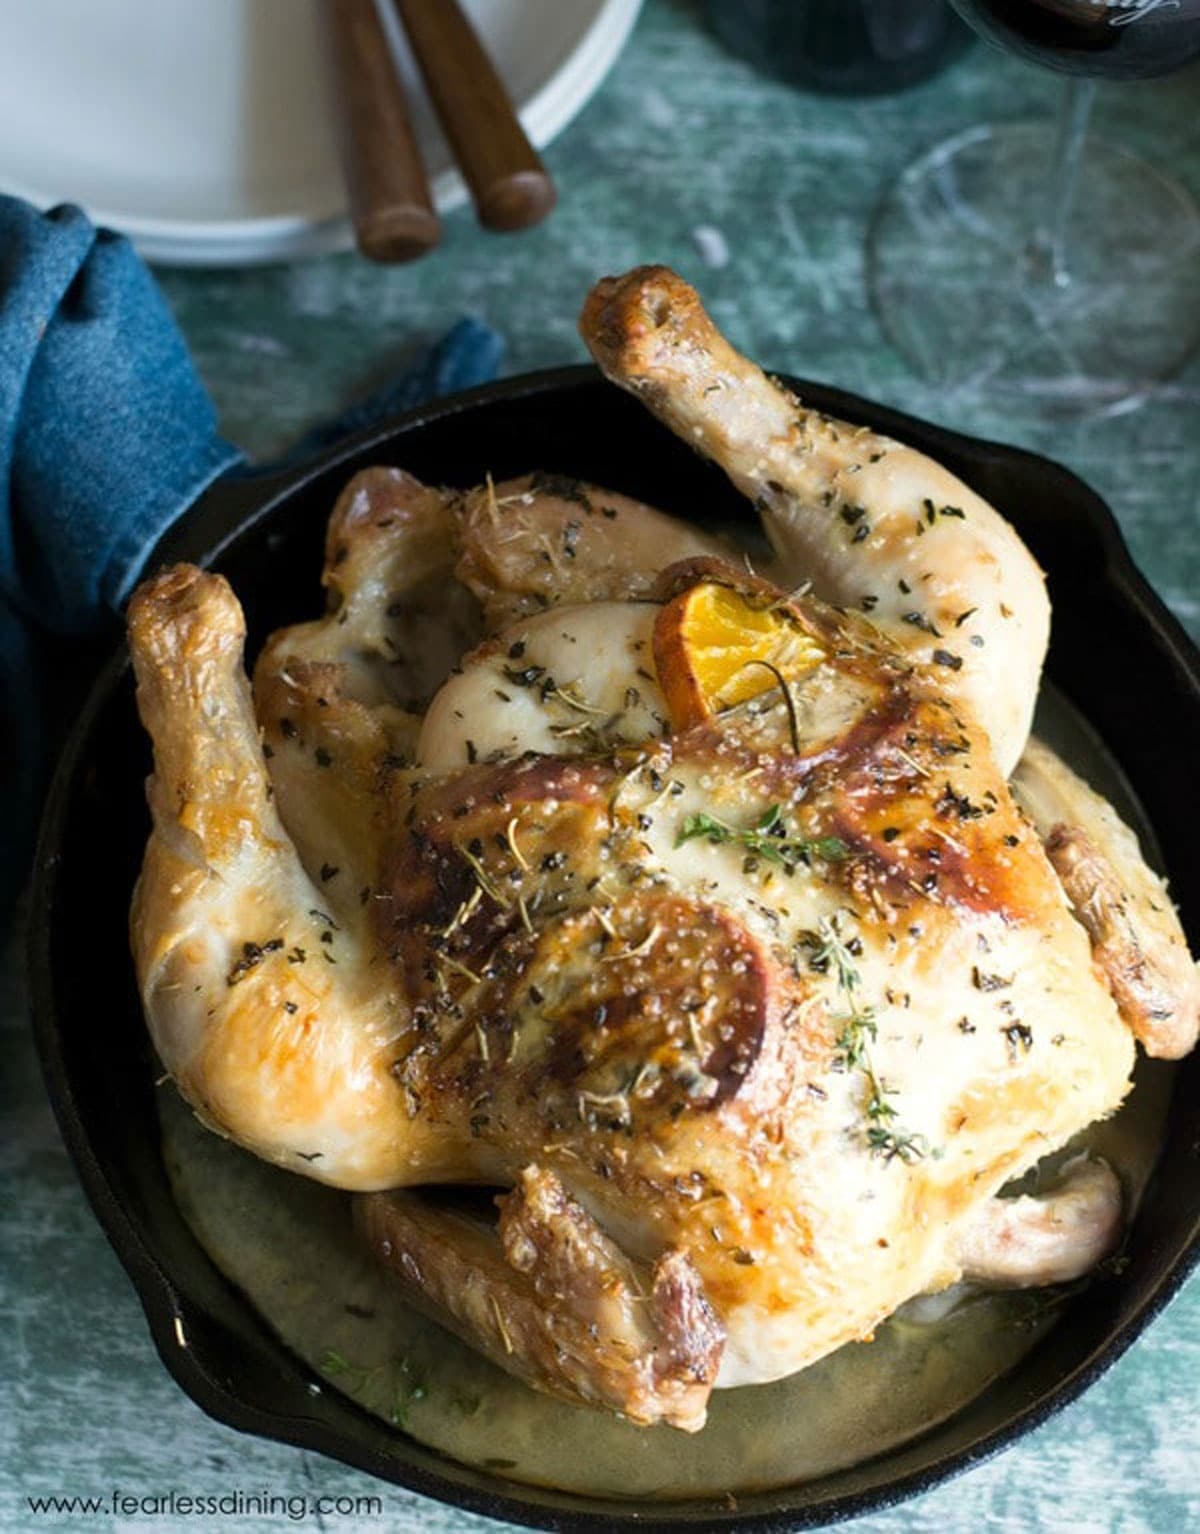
{"points": [[1116, 39]]}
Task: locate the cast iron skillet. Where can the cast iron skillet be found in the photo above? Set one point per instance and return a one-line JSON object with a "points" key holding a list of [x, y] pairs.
{"points": [[1117, 653]]}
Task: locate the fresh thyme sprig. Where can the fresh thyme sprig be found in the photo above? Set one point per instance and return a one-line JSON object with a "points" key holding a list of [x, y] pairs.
{"points": [[831, 949], [858, 1033], [767, 838], [888, 1142], [884, 1136]]}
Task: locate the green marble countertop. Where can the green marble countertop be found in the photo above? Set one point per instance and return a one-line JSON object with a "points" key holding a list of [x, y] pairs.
{"points": [[762, 197]]}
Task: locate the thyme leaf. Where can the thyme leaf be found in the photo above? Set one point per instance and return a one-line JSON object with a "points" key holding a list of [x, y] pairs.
{"points": [[768, 838], [884, 1135], [889, 1144]]}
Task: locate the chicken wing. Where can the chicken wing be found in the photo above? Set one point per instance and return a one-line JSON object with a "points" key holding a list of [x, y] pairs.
{"points": [[550, 1297], [1123, 904]]}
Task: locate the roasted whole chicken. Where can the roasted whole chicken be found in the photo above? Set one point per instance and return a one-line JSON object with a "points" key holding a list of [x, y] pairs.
{"points": [[690, 905]]}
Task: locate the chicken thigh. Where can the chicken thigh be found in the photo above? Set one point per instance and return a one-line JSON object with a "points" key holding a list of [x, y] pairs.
{"points": [[750, 1003]]}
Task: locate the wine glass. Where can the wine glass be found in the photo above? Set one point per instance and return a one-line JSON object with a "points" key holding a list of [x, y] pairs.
{"points": [[1059, 270]]}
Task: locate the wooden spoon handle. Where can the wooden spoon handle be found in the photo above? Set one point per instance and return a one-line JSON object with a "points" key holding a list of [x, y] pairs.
{"points": [[390, 204], [511, 187]]}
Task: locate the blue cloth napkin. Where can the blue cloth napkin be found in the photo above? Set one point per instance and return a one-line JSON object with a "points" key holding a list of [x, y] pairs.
{"points": [[106, 436]]}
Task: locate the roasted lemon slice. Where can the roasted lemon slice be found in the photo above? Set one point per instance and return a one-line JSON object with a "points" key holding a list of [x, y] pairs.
{"points": [[714, 649]]}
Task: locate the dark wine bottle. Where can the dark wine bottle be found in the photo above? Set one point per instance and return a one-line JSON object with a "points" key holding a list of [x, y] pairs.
{"points": [[848, 47], [1120, 39]]}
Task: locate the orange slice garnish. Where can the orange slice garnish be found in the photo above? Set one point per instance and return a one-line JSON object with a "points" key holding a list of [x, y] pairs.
{"points": [[713, 649]]}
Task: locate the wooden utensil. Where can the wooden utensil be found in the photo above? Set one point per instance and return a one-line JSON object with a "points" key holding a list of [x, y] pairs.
{"points": [[390, 201], [510, 186]]}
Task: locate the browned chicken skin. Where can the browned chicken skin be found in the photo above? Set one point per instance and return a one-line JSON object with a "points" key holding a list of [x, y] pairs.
{"points": [[548, 1296], [736, 1008], [1123, 904]]}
